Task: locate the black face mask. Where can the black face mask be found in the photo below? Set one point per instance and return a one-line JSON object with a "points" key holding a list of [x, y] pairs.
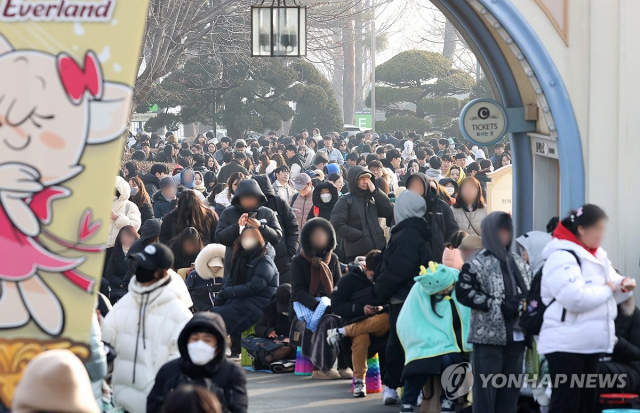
{"points": [[144, 275]]}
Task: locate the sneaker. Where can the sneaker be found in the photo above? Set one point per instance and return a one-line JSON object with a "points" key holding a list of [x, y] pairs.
{"points": [[390, 396], [333, 336], [406, 408], [346, 374], [359, 389], [282, 367], [320, 375], [447, 406]]}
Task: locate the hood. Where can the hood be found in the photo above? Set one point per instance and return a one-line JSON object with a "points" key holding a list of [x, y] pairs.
{"points": [[409, 205], [150, 229], [150, 178], [316, 195], [562, 233], [209, 322], [436, 278], [434, 174], [354, 174], [54, 381], [265, 185], [490, 239], [123, 187], [248, 187], [332, 168], [305, 235], [429, 193], [408, 146], [190, 183], [168, 289], [534, 242], [210, 262]]}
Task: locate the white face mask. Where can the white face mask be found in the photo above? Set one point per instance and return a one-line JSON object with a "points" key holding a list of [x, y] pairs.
{"points": [[326, 198], [474, 149], [200, 352], [134, 191], [450, 190], [248, 243]]}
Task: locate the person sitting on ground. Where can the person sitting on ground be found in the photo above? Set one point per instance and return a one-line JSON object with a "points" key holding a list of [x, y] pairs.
{"points": [[185, 248], [366, 324], [315, 271], [251, 282], [143, 327], [165, 200], [441, 340], [452, 256], [117, 267], [275, 324], [202, 362]]}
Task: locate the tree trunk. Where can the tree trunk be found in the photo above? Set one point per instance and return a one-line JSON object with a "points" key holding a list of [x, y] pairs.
{"points": [[450, 41], [349, 77], [359, 60], [338, 72]]}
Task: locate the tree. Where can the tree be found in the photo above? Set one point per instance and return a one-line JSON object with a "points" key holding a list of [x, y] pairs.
{"points": [[316, 107], [420, 84]]}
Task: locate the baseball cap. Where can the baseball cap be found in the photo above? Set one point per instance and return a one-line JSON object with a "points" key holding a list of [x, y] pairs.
{"points": [[154, 256], [301, 181]]}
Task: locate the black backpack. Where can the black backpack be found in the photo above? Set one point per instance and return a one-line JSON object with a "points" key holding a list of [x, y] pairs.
{"points": [[258, 349], [531, 319]]}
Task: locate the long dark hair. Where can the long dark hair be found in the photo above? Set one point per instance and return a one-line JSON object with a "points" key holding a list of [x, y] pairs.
{"points": [[479, 202], [264, 163], [181, 258], [237, 245], [142, 197], [192, 212], [586, 216], [191, 399], [236, 176]]}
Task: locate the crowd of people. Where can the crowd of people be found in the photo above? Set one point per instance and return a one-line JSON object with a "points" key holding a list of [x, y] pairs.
{"points": [[346, 247]]}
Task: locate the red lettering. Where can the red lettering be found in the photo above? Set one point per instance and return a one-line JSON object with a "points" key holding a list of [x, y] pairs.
{"points": [[8, 6], [38, 9], [103, 10], [71, 10]]}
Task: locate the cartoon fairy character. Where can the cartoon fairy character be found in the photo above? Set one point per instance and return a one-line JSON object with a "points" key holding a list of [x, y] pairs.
{"points": [[50, 108]]}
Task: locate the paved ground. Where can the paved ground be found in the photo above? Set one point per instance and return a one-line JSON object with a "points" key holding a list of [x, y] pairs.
{"points": [[291, 393]]}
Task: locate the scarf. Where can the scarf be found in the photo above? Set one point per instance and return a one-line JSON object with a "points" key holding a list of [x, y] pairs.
{"points": [[562, 232], [239, 268], [321, 277]]}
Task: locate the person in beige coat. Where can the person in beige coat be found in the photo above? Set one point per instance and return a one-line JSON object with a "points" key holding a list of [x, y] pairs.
{"points": [[123, 212], [470, 208]]}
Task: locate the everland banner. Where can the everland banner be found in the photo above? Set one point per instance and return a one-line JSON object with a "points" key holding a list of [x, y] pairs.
{"points": [[67, 70]]}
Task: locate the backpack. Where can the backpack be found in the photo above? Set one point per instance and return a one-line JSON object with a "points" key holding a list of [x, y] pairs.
{"points": [[531, 319], [258, 349], [202, 292]]}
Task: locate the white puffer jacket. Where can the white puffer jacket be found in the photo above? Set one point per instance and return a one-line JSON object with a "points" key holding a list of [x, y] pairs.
{"points": [[128, 212], [588, 327], [144, 345]]}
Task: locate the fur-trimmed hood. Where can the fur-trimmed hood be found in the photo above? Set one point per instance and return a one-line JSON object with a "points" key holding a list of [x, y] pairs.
{"points": [[307, 229], [210, 262]]}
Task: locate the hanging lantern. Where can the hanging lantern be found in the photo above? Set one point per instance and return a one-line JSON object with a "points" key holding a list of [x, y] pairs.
{"points": [[279, 29]]}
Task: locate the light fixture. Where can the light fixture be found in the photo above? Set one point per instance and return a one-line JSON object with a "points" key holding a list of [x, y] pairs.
{"points": [[279, 29]]}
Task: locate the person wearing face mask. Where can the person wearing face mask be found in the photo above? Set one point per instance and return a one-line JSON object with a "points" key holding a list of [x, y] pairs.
{"points": [[451, 188], [123, 213], [202, 362], [325, 196], [143, 327], [251, 282]]}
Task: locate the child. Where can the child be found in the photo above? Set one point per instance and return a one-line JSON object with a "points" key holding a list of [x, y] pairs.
{"points": [[441, 340], [452, 256]]}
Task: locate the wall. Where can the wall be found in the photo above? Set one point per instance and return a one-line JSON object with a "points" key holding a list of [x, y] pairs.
{"points": [[599, 68]]}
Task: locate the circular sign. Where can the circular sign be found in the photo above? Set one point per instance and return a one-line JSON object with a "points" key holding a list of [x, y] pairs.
{"points": [[483, 121]]}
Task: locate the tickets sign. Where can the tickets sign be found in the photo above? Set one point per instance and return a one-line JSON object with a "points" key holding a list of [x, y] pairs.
{"points": [[68, 69], [483, 122]]}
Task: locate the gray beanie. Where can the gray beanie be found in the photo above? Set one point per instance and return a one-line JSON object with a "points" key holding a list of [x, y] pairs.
{"points": [[409, 205]]}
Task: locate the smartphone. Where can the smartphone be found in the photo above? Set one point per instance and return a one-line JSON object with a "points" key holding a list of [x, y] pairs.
{"points": [[253, 215]]}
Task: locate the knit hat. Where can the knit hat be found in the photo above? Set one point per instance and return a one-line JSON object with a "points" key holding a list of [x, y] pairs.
{"points": [[436, 278], [54, 381]]}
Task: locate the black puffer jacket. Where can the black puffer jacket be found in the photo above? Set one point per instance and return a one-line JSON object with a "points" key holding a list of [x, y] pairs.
{"points": [[228, 229], [439, 216], [151, 183], [323, 210], [272, 320], [288, 245], [146, 213], [301, 268], [225, 379], [355, 216], [161, 206], [117, 270], [407, 250], [169, 229], [353, 292]]}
